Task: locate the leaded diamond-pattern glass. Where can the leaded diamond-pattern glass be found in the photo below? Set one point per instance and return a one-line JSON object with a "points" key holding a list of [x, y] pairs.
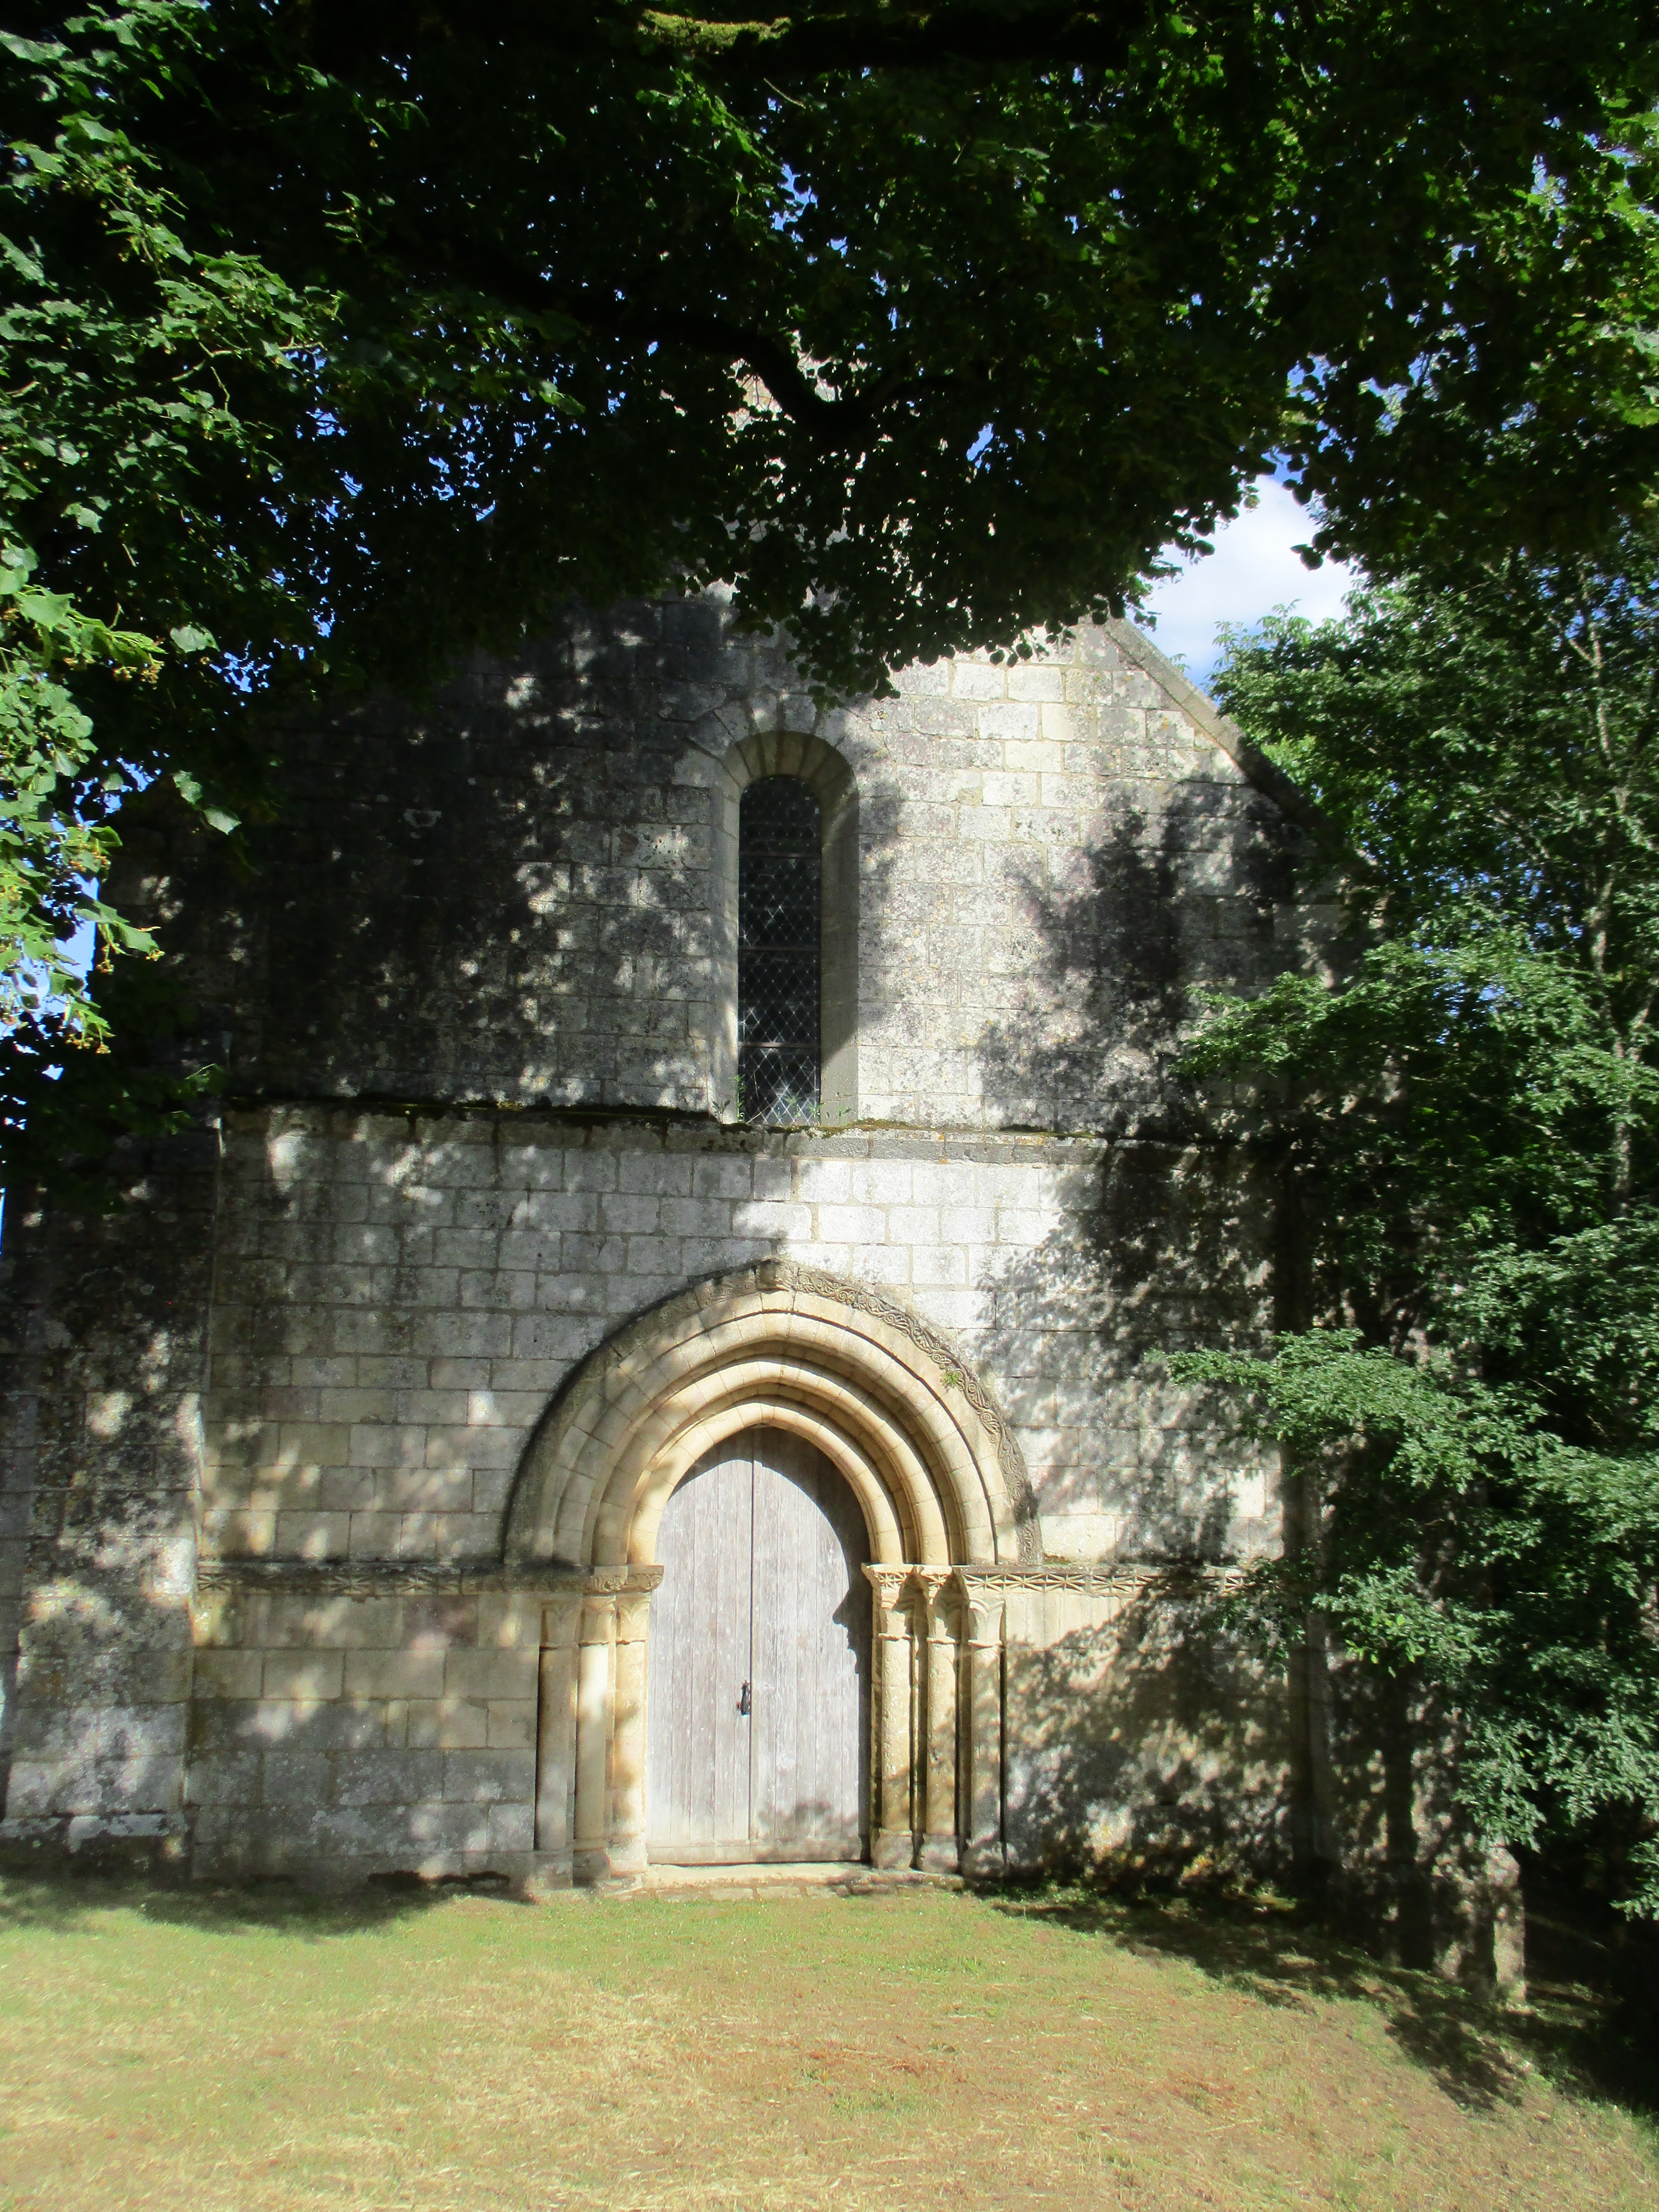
{"points": [[779, 904]]}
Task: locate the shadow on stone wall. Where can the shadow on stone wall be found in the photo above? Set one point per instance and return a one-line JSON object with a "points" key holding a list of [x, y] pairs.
{"points": [[1152, 1249], [1176, 1241], [1409, 1873], [1149, 1746], [1165, 1244], [1148, 1749], [501, 893], [1167, 903], [103, 1350], [504, 894]]}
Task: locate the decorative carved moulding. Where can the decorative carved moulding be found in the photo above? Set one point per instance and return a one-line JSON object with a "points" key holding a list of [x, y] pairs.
{"points": [[710, 1302], [1176, 1577], [476, 1577], [1103, 1578], [417, 1578], [813, 1282]]}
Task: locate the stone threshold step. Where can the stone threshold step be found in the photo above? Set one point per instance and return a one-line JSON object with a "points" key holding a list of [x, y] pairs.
{"points": [[781, 1878]]}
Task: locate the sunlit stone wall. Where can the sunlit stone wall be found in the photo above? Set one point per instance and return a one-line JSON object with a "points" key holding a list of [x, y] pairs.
{"points": [[471, 1006], [514, 895], [397, 1301]]}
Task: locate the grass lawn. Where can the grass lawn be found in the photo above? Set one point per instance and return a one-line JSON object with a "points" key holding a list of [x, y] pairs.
{"points": [[902, 2052]]}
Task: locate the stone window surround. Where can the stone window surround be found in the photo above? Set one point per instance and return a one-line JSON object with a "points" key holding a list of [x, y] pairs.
{"points": [[828, 776]]}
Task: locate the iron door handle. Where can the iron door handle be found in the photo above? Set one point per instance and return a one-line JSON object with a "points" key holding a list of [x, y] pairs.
{"points": [[743, 1702]]}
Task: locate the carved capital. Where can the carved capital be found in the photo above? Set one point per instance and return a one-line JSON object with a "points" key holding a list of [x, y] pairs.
{"points": [[561, 1619], [633, 1616], [598, 1617], [941, 1599], [889, 1586]]}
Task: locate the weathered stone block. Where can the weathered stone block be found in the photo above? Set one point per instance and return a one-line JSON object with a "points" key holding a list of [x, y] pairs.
{"points": [[512, 1724], [449, 1723], [234, 1780], [301, 1778], [487, 1776], [220, 1674], [498, 1672], [303, 1676], [412, 1675], [398, 1777]]}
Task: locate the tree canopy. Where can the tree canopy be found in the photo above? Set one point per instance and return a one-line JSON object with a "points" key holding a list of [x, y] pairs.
{"points": [[1468, 1123], [339, 341]]}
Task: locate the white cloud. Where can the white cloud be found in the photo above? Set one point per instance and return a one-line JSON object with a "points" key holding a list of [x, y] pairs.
{"points": [[1251, 572]]}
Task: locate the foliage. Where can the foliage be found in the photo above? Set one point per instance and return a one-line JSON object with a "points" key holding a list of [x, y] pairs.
{"points": [[1466, 1545], [1486, 1079], [340, 341], [1492, 744], [1468, 1119], [1460, 1096]]}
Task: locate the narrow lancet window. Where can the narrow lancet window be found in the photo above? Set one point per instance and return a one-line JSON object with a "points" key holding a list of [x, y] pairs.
{"points": [[780, 898]]}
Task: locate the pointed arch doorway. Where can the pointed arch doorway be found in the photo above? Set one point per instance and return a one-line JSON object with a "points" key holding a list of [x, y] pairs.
{"points": [[757, 1694]]}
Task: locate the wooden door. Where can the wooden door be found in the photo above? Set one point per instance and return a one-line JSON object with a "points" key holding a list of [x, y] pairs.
{"points": [[696, 1748], [757, 1742]]}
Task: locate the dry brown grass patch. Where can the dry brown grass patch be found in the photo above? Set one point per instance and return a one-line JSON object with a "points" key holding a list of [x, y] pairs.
{"points": [[241, 2053]]}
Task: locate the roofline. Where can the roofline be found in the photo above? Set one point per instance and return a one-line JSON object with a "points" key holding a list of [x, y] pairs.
{"points": [[1265, 775]]}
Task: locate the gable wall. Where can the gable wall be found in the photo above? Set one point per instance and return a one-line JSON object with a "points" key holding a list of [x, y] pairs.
{"points": [[516, 894], [469, 1006]]}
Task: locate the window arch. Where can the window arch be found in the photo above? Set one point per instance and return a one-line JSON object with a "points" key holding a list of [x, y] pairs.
{"points": [[805, 765], [780, 952]]}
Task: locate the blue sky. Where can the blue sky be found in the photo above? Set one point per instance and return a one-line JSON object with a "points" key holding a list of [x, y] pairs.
{"points": [[1251, 572]]}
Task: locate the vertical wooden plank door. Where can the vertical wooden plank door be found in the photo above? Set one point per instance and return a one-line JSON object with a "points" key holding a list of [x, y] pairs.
{"points": [[696, 1742], [756, 1743]]}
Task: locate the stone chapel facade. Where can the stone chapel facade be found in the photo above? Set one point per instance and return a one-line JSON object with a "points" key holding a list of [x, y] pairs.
{"points": [[634, 1075]]}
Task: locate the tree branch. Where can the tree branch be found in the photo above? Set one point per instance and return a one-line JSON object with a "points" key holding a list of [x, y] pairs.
{"points": [[805, 41], [847, 425]]}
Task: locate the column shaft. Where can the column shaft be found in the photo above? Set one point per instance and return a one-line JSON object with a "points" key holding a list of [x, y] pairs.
{"points": [[593, 1702], [556, 1739], [983, 1736], [940, 1851], [626, 1845], [892, 1840]]}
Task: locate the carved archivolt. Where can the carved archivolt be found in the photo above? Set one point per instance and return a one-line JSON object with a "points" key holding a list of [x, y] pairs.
{"points": [[943, 1492], [917, 1437]]}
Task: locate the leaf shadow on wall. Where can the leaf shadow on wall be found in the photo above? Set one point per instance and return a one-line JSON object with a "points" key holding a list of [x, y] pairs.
{"points": [[1161, 1237], [1155, 1239], [506, 892], [1150, 1745], [1146, 1745], [453, 898], [1100, 971]]}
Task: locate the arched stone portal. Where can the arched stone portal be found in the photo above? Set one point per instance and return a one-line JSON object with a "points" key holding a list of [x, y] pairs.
{"points": [[944, 1492]]}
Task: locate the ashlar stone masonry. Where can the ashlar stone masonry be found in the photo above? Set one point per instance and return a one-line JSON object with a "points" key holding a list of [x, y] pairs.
{"points": [[335, 1457]]}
